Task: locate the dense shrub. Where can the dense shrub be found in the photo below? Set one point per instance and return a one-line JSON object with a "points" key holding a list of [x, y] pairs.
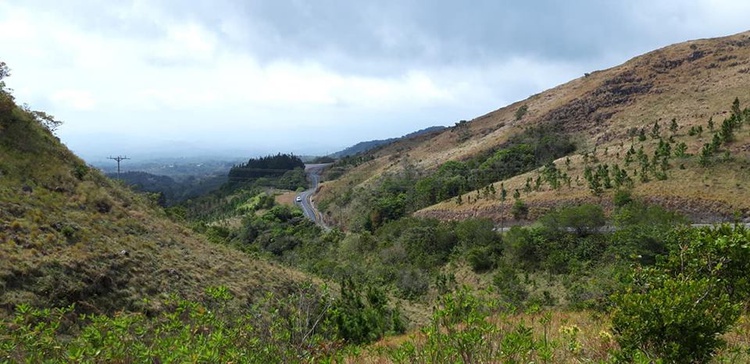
{"points": [[643, 230], [509, 286], [362, 314], [680, 321], [582, 219], [481, 259], [678, 309], [412, 283], [721, 253], [519, 210]]}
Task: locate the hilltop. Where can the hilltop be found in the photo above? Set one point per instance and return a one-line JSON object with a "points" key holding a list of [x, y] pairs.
{"points": [[603, 114], [69, 235], [362, 147]]}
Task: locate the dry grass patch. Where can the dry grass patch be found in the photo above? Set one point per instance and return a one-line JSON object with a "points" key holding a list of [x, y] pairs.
{"points": [[286, 197]]}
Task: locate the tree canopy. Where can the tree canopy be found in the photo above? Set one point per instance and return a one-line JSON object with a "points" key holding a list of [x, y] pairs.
{"points": [[268, 166]]}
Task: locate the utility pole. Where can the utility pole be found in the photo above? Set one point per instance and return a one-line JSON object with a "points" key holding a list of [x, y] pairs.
{"points": [[119, 159]]}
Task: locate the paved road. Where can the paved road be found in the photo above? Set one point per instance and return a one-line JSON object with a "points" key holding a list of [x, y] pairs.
{"points": [[306, 198]]}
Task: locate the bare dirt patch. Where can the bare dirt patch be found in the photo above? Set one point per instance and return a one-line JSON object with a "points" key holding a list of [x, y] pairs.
{"points": [[286, 197]]}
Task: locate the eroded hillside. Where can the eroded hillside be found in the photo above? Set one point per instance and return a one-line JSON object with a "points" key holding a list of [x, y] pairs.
{"points": [[604, 112]]}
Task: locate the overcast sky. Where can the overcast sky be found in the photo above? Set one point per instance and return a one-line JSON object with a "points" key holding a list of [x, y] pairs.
{"points": [[244, 78]]}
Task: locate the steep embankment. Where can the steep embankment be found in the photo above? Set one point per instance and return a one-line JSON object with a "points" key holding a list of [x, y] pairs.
{"points": [[69, 235], [606, 112]]}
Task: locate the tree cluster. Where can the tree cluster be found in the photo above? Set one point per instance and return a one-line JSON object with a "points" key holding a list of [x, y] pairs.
{"points": [[268, 166]]}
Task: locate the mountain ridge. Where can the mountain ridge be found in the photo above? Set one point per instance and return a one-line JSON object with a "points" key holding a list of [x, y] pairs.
{"points": [[690, 82], [365, 146]]}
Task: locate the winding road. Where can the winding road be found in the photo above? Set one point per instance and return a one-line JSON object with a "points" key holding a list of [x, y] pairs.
{"points": [[304, 199]]}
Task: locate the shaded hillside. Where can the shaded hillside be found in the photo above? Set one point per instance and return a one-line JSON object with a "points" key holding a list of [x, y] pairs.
{"points": [[362, 147], [605, 113], [69, 235]]}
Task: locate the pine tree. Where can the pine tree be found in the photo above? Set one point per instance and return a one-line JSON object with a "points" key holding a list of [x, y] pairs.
{"points": [[656, 130], [736, 111], [673, 126], [642, 135], [680, 150], [527, 186]]}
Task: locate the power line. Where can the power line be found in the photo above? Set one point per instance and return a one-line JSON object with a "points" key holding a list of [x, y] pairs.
{"points": [[119, 159]]}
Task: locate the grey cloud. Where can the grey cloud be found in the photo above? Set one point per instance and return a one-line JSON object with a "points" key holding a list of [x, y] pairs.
{"points": [[390, 36], [437, 32]]}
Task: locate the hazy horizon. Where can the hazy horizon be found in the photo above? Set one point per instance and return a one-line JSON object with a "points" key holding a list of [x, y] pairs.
{"points": [[240, 79]]}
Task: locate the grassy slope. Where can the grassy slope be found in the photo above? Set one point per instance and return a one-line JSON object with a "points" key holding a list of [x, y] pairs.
{"points": [[92, 242], [690, 81]]}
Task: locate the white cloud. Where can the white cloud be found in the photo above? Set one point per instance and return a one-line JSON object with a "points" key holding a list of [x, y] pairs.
{"points": [[184, 43], [73, 99]]}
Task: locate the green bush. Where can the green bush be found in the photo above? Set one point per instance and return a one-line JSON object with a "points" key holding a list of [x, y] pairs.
{"points": [[460, 332], [640, 213], [481, 259], [519, 210], [622, 198], [721, 253], [678, 309], [362, 314], [412, 283], [509, 286], [80, 171], [582, 220], [523, 247], [679, 322], [476, 232], [643, 230]]}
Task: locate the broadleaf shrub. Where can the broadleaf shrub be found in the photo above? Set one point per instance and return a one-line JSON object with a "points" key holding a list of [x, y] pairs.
{"points": [[362, 315], [679, 322], [678, 309]]}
